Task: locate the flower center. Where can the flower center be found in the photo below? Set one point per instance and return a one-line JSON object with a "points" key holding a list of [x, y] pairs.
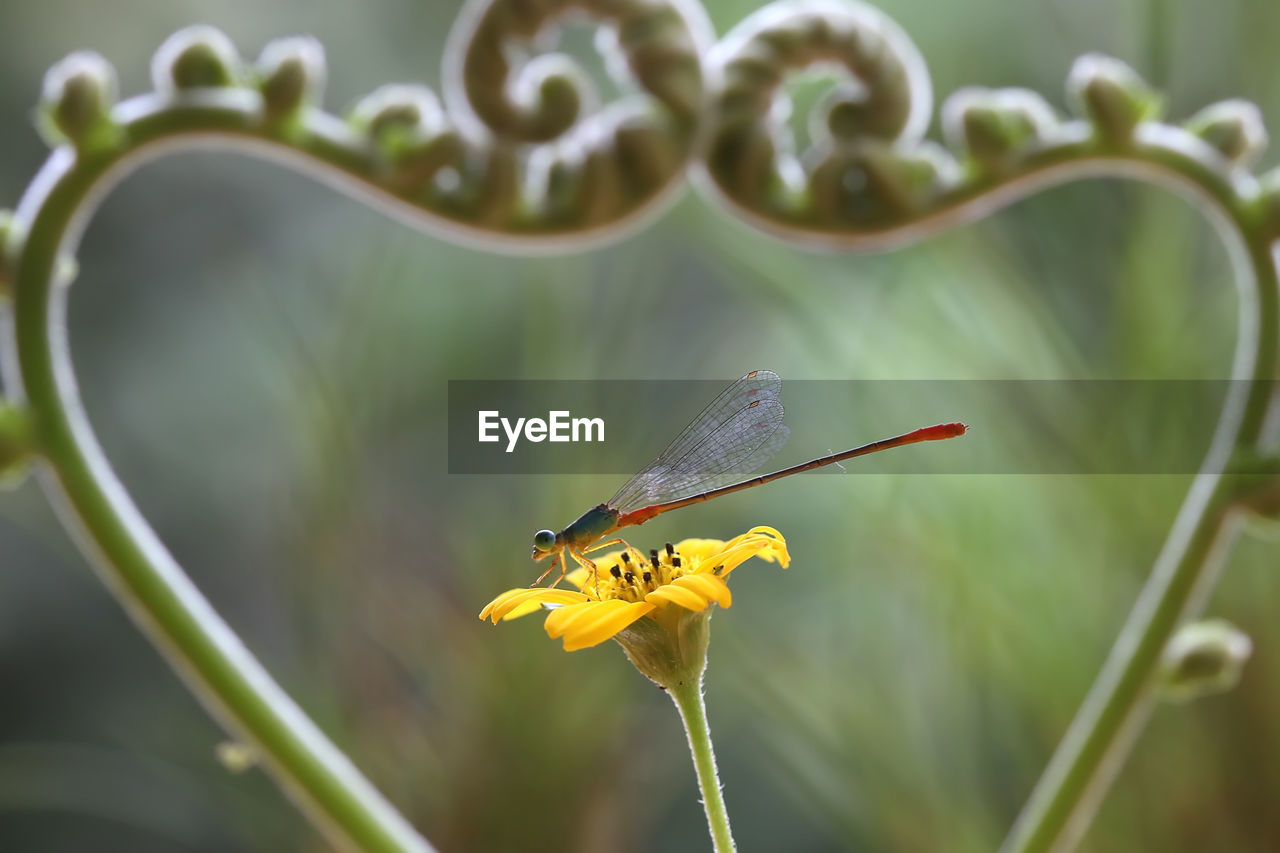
{"points": [[629, 576]]}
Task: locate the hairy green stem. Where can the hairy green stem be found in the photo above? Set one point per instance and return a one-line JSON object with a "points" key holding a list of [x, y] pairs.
{"points": [[687, 696]]}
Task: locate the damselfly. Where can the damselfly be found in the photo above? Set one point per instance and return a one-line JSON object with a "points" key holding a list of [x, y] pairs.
{"points": [[732, 436]]}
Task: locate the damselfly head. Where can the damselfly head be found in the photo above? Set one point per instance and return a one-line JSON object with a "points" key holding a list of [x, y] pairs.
{"points": [[544, 542]]}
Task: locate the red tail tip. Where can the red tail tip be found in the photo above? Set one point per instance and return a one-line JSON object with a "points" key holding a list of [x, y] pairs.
{"points": [[941, 431]]}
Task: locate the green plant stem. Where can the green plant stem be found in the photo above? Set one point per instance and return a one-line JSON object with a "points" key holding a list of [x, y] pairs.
{"points": [[1100, 738], [687, 695], [212, 660], [1105, 728]]}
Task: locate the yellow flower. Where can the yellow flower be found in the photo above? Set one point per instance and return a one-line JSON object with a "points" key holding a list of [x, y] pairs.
{"points": [[663, 588], [659, 611]]}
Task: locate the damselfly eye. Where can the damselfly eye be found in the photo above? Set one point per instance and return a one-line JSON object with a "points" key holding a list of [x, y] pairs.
{"points": [[544, 540]]}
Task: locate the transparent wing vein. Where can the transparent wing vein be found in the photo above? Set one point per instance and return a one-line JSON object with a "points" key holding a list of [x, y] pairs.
{"points": [[731, 437]]}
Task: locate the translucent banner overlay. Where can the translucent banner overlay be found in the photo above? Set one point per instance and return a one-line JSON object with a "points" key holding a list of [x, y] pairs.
{"points": [[1015, 426]]}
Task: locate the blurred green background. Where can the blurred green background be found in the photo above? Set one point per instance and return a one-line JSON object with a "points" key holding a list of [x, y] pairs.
{"points": [[266, 365]]}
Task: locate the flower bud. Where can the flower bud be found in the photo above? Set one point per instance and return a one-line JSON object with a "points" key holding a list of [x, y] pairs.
{"points": [[195, 57], [398, 114], [1111, 95], [994, 126], [1233, 127], [1203, 658], [409, 128], [76, 102], [291, 73]]}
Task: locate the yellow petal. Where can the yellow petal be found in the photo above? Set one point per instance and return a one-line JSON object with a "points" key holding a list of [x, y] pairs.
{"points": [[734, 557], [742, 548], [513, 599], [584, 636], [708, 586], [593, 622], [522, 610], [693, 550], [689, 599], [776, 548], [498, 601], [559, 621]]}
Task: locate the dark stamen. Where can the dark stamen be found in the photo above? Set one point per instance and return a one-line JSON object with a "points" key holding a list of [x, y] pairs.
{"points": [[675, 561], [626, 558], [630, 577], [648, 577], [616, 572], [653, 557], [671, 551]]}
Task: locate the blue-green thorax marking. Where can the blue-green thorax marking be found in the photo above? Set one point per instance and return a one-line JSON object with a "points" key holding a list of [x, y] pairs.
{"points": [[590, 526]]}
